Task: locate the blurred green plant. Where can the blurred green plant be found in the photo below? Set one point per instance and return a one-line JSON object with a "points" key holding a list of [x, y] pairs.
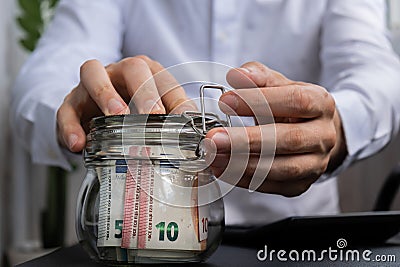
{"points": [[35, 15]]}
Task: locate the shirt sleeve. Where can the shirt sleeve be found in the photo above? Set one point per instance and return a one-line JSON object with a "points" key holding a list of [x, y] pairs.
{"points": [[362, 72], [80, 30]]}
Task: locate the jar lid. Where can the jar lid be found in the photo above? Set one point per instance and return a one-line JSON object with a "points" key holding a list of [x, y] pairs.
{"points": [[174, 137]]}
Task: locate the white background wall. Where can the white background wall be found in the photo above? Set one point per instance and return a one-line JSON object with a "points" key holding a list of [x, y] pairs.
{"points": [[22, 186]]}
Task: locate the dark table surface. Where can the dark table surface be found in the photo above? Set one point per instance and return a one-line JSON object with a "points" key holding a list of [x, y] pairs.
{"points": [[226, 255], [347, 235]]}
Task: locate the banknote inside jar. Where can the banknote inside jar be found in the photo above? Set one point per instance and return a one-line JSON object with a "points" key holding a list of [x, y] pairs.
{"points": [[139, 214]]}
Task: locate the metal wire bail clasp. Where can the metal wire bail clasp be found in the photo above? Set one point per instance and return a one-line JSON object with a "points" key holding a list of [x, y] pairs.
{"points": [[203, 131], [202, 104]]}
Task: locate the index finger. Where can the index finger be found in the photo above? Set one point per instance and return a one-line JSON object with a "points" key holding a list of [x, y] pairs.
{"points": [[138, 81], [292, 101], [95, 80], [173, 95]]}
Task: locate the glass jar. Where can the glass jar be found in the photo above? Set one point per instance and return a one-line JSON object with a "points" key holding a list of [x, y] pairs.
{"points": [[148, 196]]}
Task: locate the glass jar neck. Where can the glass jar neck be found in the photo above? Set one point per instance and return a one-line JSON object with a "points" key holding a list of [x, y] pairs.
{"points": [[154, 137]]}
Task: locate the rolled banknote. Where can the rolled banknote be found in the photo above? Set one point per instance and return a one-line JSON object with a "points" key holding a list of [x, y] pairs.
{"points": [[131, 215]]}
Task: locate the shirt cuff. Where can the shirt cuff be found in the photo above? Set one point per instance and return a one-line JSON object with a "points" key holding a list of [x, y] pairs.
{"points": [[45, 145]]}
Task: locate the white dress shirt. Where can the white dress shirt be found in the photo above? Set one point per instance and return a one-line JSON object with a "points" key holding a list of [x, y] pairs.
{"points": [[339, 44]]}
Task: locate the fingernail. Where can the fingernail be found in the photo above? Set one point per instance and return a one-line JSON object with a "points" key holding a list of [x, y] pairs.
{"points": [[115, 106], [72, 140], [231, 101], [244, 70], [209, 159], [209, 145], [250, 69], [210, 150], [190, 106], [151, 106], [221, 139]]}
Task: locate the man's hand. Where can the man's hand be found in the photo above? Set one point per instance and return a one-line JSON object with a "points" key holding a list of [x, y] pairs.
{"points": [[106, 90], [309, 136]]}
